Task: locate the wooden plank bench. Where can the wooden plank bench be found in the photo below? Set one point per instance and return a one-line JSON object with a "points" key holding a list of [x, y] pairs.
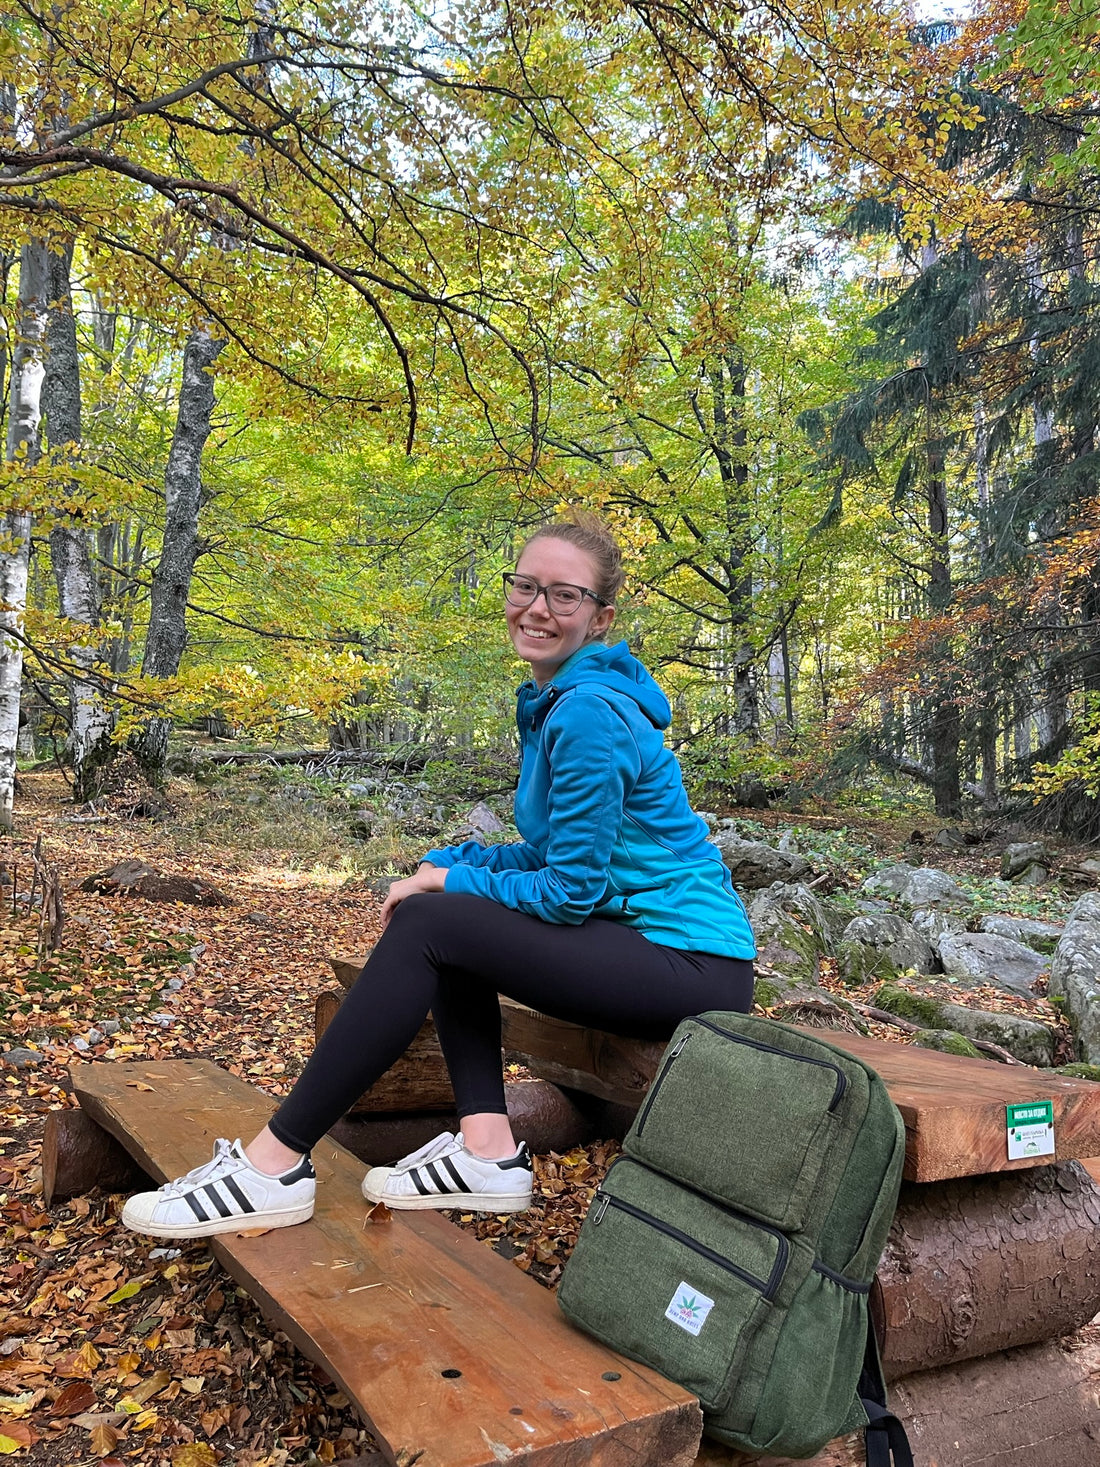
{"points": [[452, 1356]]}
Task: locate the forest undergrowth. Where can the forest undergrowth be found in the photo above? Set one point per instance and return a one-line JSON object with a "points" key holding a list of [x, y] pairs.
{"points": [[113, 1349]]}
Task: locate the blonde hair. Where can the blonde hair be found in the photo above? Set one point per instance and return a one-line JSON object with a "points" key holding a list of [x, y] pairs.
{"points": [[589, 533]]}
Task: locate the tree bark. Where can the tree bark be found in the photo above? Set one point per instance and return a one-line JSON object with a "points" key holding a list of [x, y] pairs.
{"points": [[24, 417], [70, 544], [166, 638]]}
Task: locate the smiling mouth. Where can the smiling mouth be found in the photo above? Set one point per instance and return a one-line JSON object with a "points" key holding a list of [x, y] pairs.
{"points": [[538, 633]]}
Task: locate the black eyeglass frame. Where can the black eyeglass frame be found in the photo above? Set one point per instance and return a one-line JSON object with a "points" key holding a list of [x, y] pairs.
{"points": [[509, 579]]}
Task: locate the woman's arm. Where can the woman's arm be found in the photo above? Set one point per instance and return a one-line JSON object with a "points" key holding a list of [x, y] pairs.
{"points": [[594, 764]]}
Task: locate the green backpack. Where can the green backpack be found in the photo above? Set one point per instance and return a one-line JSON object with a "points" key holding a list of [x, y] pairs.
{"points": [[733, 1246]]}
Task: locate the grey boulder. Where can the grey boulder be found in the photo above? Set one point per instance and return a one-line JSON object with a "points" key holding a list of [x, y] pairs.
{"points": [[754, 865], [1042, 936], [1075, 974], [880, 947], [920, 886], [976, 958]]}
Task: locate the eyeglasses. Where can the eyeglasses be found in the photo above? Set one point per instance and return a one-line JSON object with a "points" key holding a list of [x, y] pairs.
{"points": [[562, 598]]}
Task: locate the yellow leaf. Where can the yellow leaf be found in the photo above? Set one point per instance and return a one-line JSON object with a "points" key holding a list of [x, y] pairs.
{"points": [[88, 1357], [152, 1387], [7, 1446], [193, 1384], [128, 1363], [138, 1085], [194, 1454], [127, 1291]]}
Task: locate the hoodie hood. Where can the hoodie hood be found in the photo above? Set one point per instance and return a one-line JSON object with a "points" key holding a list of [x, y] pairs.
{"points": [[615, 670]]}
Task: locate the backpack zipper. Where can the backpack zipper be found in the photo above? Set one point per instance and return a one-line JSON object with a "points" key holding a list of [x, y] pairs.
{"points": [[841, 1077], [766, 1288], [677, 1049]]}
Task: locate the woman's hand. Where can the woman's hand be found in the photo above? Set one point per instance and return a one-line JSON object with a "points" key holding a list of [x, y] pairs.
{"points": [[426, 878]]}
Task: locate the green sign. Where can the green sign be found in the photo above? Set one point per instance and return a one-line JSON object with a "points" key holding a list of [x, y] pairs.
{"points": [[1030, 1129]]}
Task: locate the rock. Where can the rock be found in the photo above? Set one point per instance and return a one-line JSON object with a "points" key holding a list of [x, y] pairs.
{"points": [[1034, 876], [796, 899], [1042, 936], [1030, 1042], [81, 1044], [94, 1036], [920, 886], [751, 792], [134, 878], [946, 1041], [932, 924], [983, 957], [174, 985], [949, 839], [1017, 857], [881, 946], [22, 1059], [887, 881], [1090, 866], [482, 821], [110, 1026], [754, 865], [1075, 974]]}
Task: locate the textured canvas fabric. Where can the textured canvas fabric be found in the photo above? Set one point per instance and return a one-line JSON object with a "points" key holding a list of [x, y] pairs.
{"points": [[733, 1246]]}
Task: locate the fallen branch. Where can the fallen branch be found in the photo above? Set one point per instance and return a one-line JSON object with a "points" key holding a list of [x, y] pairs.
{"points": [[881, 1016]]}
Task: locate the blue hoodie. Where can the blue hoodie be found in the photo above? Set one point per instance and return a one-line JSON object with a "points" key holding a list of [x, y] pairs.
{"points": [[606, 824]]}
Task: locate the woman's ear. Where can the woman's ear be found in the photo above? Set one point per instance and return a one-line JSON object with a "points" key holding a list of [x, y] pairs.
{"points": [[601, 622]]}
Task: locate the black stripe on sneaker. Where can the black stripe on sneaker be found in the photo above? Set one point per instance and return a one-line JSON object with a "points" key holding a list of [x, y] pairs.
{"points": [[440, 1185], [196, 1207], [216, 1198], [237, 1195], [460, 1180], [420, 1187]]}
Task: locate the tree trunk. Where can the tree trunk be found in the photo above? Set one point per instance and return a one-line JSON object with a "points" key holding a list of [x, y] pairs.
{"points": [[24, 416], [70, 544], [166, 638]]}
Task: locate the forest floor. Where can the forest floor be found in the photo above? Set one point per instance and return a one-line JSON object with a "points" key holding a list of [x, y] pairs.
{"points": [[113, 1349]]}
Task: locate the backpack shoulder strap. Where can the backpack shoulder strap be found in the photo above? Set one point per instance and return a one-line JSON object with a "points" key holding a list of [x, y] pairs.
{"points": [[887, 1443]]}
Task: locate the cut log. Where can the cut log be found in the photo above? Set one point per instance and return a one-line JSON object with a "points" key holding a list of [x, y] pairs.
{"points": [[1032, 1407], [977, 1265], [451, 1355], [539, 1112], [417, 1082], [78, 1155]]}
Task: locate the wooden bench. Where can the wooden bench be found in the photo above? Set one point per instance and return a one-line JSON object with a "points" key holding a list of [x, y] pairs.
{"points": [[450, 1354]]}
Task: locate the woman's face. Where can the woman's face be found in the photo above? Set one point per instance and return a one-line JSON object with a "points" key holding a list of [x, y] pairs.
{"points": [[539, 635]]}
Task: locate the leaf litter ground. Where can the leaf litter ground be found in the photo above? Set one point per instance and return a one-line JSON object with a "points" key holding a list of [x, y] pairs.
{"points": [[112, 1349]]}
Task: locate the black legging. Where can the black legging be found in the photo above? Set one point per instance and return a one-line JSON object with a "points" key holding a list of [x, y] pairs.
{"points": [[452, 954]]}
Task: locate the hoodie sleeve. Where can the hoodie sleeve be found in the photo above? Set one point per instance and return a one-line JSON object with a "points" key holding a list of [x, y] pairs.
{"points": [[594, 764], [508, 856]]}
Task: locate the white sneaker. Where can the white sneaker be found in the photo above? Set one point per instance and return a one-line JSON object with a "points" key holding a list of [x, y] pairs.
{"points": [[444, 1174], [225, 1195]]}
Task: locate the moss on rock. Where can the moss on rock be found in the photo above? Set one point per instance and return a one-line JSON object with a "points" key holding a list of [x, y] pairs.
{"points": [[765, 994], [911, 1006], [1079, 1072], [947, 1041]]}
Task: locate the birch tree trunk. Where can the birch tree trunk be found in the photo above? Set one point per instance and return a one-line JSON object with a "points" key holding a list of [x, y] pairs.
{"points": [[70, 544], [171, 585], [24, 417]]}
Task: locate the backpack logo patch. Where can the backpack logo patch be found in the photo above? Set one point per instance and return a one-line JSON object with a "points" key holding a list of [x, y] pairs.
{"points": [[689, 1308]]}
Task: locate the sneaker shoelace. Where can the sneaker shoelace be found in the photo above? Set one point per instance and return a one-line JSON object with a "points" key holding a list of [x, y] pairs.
{"points": [[223, 1153]]}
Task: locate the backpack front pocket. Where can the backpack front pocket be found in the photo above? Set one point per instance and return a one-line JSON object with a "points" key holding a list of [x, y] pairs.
{"points": [[686, 1297], [773, 1115]]}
